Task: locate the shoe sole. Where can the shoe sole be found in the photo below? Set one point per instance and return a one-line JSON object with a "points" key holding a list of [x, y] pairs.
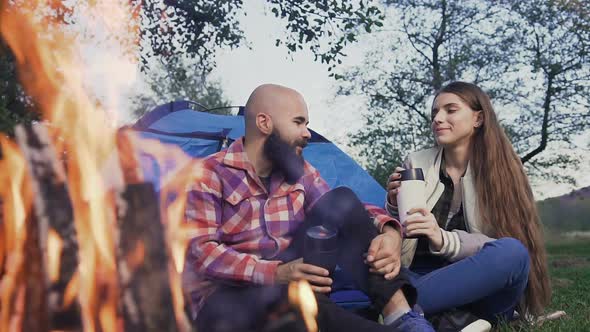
{"points": [[479, 325]]}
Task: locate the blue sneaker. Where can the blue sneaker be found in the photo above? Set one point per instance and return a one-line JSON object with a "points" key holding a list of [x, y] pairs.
{"points": [[412, 322]]}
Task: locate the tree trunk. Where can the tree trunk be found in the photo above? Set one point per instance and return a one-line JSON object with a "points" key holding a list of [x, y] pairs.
{"points": [[545, 124]]}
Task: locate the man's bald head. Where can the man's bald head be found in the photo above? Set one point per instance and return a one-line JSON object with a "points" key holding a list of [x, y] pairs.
{"points": [[276, 101], [276, 130]]}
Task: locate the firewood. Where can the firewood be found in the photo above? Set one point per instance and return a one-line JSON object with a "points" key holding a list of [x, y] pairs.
{"points": [[143, 262], [2, 235], [128, 157], [52, 211]]}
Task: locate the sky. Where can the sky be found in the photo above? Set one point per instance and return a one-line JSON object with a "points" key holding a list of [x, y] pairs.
{"points": [[242, 69]]}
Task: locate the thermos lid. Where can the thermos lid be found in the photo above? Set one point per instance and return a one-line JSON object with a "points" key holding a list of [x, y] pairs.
{"points": [[412, 174], [321, 238]]}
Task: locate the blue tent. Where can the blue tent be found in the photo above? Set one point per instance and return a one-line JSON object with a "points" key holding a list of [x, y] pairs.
{"points": [[185, 124]]}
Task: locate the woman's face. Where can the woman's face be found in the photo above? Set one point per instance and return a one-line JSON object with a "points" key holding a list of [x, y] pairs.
{"points": [[453, 121]]}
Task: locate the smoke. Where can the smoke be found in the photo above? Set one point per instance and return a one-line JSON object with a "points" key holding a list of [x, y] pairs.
{"points": [[106, 49]]}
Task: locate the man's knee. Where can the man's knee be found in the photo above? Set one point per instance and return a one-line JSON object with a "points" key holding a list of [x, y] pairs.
{"points": [[339, 207]]}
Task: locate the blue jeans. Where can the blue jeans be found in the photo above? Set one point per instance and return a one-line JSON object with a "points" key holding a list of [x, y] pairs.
{"points": [[489, 284]]}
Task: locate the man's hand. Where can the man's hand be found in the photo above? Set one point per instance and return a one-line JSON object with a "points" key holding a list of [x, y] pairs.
{"points": [[384, 253], [297, 270], [424, 223]]}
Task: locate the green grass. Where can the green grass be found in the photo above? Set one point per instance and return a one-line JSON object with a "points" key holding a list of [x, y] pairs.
{"points": [[569, 267]]}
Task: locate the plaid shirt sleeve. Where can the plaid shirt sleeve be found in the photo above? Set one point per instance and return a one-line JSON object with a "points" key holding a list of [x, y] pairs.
{"points": [[207, 255], [316, 186], [381, 218]]}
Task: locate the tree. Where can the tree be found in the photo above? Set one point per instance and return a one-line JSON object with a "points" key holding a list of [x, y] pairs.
{"points": [[176, 80], [14, 105], [195, 28], [198, 28], [554, 52], [431, 42], [486, 43]]}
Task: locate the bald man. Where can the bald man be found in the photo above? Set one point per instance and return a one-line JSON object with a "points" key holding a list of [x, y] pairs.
{"points": [[252, 209]]}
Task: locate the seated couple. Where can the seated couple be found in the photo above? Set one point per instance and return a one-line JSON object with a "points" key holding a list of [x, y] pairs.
{"points": [[479, 233]]}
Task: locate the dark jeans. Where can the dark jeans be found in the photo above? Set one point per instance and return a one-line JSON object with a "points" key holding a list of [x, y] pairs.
{"points": [[488, 284], [242, 308]]}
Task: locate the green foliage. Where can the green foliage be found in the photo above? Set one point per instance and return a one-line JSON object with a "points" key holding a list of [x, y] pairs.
{"points": [[334, 23], [14, 105], [190, 27], [569, 269], [176, 80], [197, 29], [432, 42], [569, 212], [200, 27]]}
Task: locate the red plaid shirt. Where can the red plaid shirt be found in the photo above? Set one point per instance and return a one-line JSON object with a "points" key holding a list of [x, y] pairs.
{"points": [[240, 225]]}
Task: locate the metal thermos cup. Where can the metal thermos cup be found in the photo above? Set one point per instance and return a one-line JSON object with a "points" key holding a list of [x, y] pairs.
{"points": [[321, 247], [412, 192]]}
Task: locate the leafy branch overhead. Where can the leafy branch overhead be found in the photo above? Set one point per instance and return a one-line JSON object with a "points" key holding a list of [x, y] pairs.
{"points": [[325, 26], [201, 27], [197, 29]]}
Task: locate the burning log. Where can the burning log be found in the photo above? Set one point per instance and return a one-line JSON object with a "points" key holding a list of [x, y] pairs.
{"points": [[50, 275], [143, 263], [35, 275], [150, 289], [128, 159], [51, 225], [2, 235]]}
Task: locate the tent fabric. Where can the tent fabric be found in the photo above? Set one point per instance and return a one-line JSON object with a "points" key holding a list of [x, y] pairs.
{"points": [[198, 134]]}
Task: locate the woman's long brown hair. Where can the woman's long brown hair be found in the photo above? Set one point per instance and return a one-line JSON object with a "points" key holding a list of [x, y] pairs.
{"points": [[505, 198]]}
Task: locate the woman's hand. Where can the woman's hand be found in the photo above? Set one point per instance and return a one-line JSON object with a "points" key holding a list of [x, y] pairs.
{"points": [[393, 184], [421, 222]]}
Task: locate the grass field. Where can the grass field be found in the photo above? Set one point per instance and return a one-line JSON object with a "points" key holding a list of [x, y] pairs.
{"points": [[569, 265]]}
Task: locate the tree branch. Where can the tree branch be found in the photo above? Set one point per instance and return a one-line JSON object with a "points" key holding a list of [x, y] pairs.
{"points": [[436, 75], [409, 35], [545, 124]]}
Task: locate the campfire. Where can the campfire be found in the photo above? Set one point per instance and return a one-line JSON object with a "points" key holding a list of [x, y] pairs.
{"points": [[85, 242]]}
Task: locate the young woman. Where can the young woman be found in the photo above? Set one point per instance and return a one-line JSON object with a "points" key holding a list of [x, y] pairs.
{"points": [[479, 245]]}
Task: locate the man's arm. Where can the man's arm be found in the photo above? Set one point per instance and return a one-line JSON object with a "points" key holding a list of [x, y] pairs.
{"points": [[381, 218], [384, 251], [316, 186], [207, 254]]}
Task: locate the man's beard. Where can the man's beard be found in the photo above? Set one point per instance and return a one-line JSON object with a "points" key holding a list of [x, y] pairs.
{"points": [[284, 156]]}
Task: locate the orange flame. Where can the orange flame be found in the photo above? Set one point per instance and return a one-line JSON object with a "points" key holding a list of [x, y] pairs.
{"points": [[173, 197], [54, 248], [301, 295], [71, 291], [136, 256], [53, 73], [16, 205]]}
